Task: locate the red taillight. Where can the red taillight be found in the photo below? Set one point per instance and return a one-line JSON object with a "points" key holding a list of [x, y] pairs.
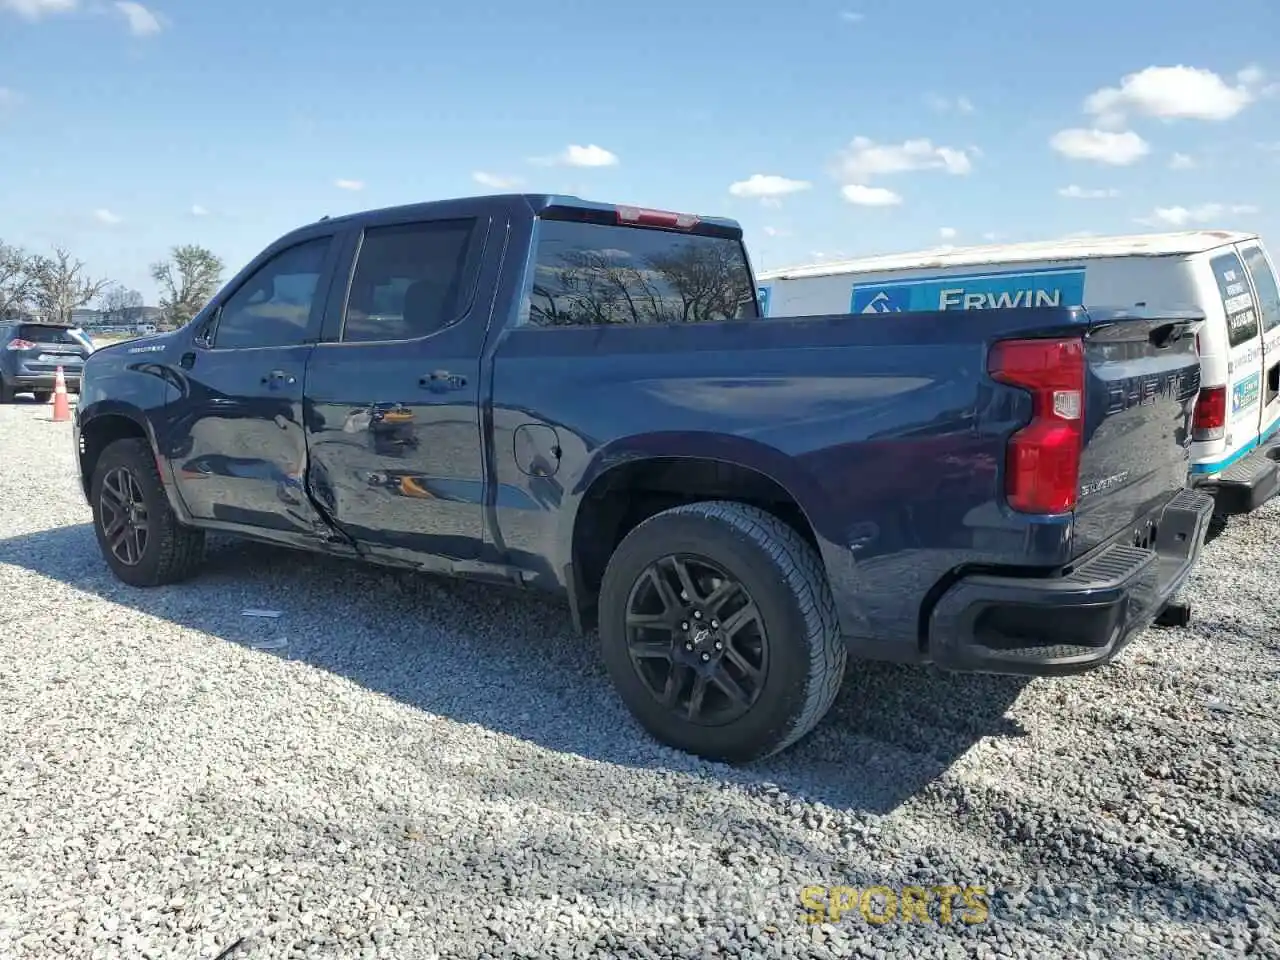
{"points": [[642, 217], [1210, 419], [20, 344], [1042, 470]]}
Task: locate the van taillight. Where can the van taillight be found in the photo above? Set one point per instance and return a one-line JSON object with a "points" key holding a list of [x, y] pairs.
{"points": [[1210, 419], [1042, 468]]}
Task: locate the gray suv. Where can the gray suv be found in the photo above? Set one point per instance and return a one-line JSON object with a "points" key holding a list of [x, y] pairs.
{"points": [[30, 354]]}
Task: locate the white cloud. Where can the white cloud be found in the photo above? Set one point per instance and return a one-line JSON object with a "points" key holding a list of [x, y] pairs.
{"points": [[1251, 76], [1204, 213], [947, 233], [864, 158], [1101, 146], [991, 236], [1182, 161], [1255, 79], [349, 184], [102, 215], [588, 156], [849, 16], [864, 196], [9, 97], [948, 105], [1173, 93], [35, 9], [495, 181], [1075, 192], [767, 186], [142, 22], [199, 211]]}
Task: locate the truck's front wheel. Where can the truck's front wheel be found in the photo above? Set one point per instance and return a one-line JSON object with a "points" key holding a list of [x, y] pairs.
{"points": [[719, 630], [138, 532]]}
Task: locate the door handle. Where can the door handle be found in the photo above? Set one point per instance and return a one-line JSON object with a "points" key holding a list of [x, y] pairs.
{"points": [[277, 376], [440, 381]]}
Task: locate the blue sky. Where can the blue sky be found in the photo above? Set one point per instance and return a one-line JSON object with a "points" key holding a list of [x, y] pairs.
{"points": [[826, 129]]}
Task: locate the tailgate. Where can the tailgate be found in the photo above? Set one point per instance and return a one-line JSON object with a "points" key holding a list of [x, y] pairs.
{"points": [[42, 348], [1143, 374]]}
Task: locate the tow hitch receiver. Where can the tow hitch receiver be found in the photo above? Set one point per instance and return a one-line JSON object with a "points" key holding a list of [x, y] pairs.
{"points": [[1175, 613]]}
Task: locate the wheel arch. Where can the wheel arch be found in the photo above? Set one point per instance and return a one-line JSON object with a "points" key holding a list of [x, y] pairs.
{"points": [[107, 421], [630, 480]]}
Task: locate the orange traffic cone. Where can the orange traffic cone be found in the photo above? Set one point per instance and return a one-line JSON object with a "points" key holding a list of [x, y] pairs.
{"points": [[61, 407]]}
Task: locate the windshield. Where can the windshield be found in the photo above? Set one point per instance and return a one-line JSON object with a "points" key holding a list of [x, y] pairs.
{"points": [[590, 274]]}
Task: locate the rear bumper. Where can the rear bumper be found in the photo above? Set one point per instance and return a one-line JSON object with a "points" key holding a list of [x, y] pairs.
{"points": [[42, 381], [1069, 624], [1245, 485]]}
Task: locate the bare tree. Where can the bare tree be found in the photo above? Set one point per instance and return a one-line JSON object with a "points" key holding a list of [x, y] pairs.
{"points": [[117, 301], [60, 285], [16, 280], [187, 281]]}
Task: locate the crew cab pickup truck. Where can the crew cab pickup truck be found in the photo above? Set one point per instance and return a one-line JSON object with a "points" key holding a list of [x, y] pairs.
{"points": [[582, 398]]}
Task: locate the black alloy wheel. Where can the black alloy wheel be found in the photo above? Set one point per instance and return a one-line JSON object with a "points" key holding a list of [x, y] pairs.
{"points": [[719, 630], [697, 640], [140, 536], [122, 513]]}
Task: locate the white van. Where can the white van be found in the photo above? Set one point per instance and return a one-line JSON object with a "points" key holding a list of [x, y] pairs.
{"points": [[1227, 276]]}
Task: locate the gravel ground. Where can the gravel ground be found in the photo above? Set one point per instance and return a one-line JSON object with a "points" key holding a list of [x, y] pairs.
{"points": [[403, 767]]}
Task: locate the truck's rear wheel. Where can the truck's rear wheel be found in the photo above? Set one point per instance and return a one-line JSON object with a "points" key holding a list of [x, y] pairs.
{"points": [[719, 630], [138, 532]]}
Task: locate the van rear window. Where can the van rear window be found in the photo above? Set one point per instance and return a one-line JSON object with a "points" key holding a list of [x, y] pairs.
{"points": [[1237, 301], [1264, 281]]}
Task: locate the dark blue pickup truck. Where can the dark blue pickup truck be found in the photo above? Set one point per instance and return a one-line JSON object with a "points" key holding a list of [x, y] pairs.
{"points": [[582, 398]]}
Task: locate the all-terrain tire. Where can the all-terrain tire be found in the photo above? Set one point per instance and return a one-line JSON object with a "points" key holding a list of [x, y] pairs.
{"points": [[785, 578], [172, 552]]}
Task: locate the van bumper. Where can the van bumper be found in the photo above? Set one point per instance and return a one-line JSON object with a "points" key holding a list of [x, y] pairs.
{"points": [[1245, 485], [1055, 626]]}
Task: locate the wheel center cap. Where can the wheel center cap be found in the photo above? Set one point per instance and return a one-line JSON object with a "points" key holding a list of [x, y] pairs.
{"points": [[701, 635]]}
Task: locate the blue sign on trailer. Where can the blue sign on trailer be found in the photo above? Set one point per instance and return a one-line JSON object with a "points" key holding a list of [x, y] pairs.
{"points": [[762, 294], [1054, 287]]}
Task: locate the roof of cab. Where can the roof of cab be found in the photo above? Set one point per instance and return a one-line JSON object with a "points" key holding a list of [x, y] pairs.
{"points": [[536, 201], [1076, 248]]}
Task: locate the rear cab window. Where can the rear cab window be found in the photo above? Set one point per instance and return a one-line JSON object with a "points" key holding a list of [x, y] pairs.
{"points": [[592, 273], [1237, 301]]}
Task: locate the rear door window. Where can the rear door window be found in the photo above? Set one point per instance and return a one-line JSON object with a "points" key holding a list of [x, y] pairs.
{"points": [[594, 274], [1237, 300], [411, 280], [1264, 281]]}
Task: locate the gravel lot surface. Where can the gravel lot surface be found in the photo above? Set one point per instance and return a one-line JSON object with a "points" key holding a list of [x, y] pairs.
{"points": [[403, 767]]}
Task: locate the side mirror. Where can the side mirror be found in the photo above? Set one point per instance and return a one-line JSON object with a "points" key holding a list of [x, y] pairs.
{"points": [[204, 333]]}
